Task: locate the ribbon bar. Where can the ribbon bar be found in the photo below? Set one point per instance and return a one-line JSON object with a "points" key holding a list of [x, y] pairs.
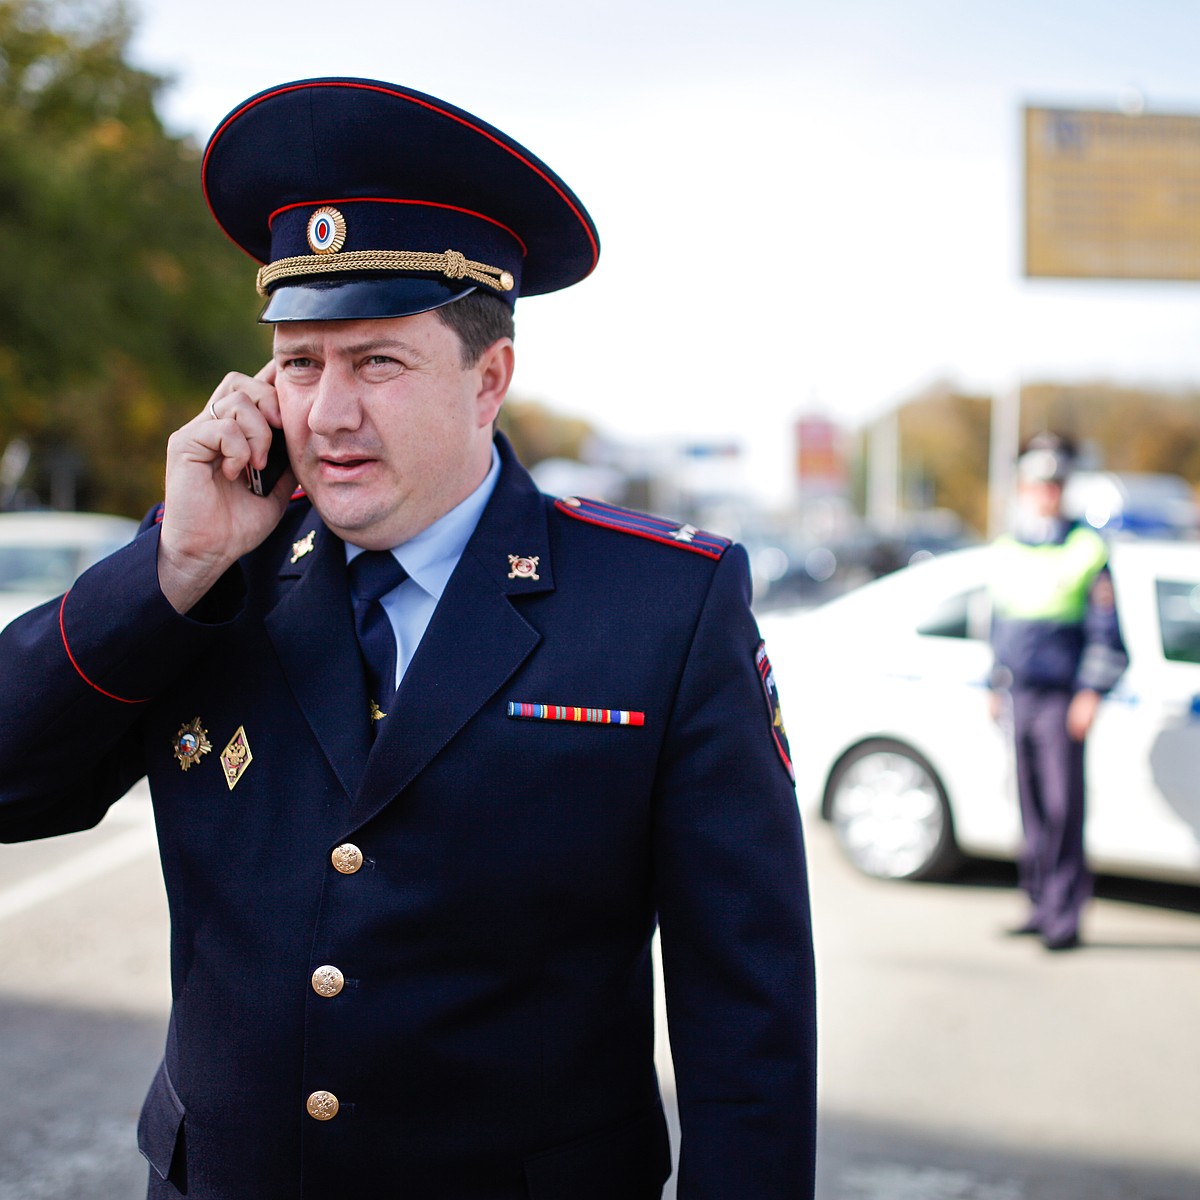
{"points": [[566, 712]]}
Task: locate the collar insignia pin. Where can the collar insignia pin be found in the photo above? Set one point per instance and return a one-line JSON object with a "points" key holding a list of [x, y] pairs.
{"points": [[191, 743], [523, 568], [685, 533], [236, 757], [303, 546]]}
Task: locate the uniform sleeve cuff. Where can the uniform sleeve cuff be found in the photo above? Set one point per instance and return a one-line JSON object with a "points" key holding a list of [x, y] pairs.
{"points": [[122, 635]]}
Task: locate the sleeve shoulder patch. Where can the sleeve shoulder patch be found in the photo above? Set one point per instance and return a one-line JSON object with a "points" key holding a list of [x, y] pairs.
{"points": [[644, 525], [766, 676]]}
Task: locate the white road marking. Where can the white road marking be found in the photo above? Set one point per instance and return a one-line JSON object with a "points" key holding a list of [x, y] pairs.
{"points": [[80, 869], [901, 1181]]}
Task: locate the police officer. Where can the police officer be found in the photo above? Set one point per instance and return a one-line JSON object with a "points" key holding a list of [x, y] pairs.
{"points": [[1058, 650], [431, 754]]}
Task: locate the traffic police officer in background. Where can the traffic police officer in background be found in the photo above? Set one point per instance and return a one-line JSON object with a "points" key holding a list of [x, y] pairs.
{"points": [[432, 754], [1058, 650]]}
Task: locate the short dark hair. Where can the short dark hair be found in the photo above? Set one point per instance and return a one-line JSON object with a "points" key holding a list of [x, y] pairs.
{"points": [[479, 320]]}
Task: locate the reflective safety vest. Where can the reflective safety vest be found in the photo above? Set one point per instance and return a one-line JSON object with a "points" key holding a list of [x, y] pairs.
{"points": [[1048, 582], [1047, 633]]}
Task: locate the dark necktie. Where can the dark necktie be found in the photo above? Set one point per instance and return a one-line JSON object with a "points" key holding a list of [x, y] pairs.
{"points": [[373, 574]]}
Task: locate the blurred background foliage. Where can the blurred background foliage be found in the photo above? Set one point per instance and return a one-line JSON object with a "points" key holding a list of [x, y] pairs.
{"points": [[538, 432], [122, 304], [944, 435]]}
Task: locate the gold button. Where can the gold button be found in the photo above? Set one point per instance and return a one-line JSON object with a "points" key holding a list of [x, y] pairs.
{"points": [[347, 858], [322, 1106], [328, 981]]}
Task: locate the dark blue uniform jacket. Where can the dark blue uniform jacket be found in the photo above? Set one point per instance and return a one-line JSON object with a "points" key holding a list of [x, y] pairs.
{"points": [[494, 1036]]}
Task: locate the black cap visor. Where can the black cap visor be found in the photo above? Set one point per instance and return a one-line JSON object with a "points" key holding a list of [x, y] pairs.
{"points": [[359, 298]]}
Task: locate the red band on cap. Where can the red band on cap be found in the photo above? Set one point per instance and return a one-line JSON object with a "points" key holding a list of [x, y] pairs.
{"points": [[419, 203]]}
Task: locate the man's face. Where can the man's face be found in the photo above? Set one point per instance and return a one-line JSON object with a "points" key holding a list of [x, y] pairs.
{"points": [[1041, 498], [386, 429]]}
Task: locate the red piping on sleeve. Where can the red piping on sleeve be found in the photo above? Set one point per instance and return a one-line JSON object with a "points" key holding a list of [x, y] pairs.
{"points": [[62, 630]]}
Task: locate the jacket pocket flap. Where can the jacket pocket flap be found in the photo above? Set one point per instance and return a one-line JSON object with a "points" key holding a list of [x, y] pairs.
{"points": [[629, 1161]]}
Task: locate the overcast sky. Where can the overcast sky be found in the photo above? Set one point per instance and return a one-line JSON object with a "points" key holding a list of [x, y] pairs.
{"points": [[802, 206]]}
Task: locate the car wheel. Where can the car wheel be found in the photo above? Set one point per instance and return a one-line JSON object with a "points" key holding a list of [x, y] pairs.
{"points": [[890, 814]]}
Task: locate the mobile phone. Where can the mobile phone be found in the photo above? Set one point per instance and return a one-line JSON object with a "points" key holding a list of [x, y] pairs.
{"points": [[262, 482]]}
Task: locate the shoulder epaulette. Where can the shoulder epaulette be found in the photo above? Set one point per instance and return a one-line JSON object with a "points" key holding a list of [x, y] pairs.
{"points": [[655, 529], [298, 494]]}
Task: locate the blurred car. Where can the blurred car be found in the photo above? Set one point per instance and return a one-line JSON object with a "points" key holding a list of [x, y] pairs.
{"points": [[927, 533], [43, 553], [1125, 504], [884, 692], [790, 571]]}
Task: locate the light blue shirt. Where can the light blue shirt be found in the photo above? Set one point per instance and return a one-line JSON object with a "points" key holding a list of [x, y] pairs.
{"points": [[430, 559]]}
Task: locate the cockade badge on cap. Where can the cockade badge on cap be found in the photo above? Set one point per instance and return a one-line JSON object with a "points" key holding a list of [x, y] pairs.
{"points": [[326, 231], [191, 743]]}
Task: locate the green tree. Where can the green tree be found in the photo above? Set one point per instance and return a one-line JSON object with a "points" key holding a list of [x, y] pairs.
{"points": [[123, 304], [944, 437], [537, 432], [944, 434]]}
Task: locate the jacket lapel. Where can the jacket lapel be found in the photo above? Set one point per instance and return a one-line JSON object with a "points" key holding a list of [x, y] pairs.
{"points": [[476, 640], [311, 625]]}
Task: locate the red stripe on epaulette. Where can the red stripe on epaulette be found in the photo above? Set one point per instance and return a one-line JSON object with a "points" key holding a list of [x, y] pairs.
{"points": [[62, 629], [644, 525], [298, 494]]}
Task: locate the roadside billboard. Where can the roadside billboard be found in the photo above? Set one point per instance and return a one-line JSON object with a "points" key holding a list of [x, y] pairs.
{"points": [[821, 468], [1112, 195]]}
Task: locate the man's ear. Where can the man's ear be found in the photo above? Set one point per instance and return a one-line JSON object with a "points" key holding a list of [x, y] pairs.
{"points": [[495, 372]]}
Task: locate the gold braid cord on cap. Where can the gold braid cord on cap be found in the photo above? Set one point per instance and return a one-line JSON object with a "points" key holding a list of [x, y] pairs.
{"points": [[452, 264]]}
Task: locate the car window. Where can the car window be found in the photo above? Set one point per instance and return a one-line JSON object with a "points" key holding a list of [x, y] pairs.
{"points": [[48, 569], [1179, 619], [963, 615]]}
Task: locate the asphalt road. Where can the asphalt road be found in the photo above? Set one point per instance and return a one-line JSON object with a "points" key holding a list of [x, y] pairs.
{"points": [[956, 1064]]}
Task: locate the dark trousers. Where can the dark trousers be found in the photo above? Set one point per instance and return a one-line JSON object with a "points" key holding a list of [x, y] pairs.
{"points": [[1050, 785]]}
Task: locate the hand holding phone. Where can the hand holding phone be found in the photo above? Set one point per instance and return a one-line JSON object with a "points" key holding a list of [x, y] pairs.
{"points": [[208, 520]]}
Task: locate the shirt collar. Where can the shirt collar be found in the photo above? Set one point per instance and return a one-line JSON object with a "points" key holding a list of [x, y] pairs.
{"points": [[431, 556]]}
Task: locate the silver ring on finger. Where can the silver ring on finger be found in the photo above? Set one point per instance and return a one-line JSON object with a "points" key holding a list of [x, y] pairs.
{"points": [[212, 412]]}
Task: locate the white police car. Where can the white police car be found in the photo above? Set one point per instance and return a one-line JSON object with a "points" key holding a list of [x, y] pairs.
{"points": [[886, 704]]}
